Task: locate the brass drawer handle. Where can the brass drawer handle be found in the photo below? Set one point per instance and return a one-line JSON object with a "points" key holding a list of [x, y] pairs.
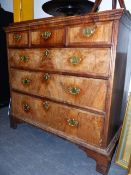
{"points": [[46, 53], [46, 76], [74, 90], [46, 35], [26, 107], [75, 60], [46, 105], [72, 122], [89, 31], [26, 81], [24, 58], [17, 37]]}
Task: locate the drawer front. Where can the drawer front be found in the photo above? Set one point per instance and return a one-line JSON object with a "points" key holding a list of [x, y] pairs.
{"points": [[93, 33], [84, 92], [70, 121], [18, 39], [92, 61], [48, 37]]}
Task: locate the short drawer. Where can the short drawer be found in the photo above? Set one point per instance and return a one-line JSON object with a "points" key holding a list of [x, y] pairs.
{"points": [[98, 33], [66, 121], [83, 92], [94, 61], [48, 37], [18, 39]]}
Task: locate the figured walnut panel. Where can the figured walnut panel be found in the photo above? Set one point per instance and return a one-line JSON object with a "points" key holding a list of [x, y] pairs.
{"points": [[18, 39], [88, 128], [90, 61], [57, 36], [91, 92], [76, 33]]}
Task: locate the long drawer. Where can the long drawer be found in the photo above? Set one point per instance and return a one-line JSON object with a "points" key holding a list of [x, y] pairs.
{"points": [[83, 92], [94, 61], [49, 115]]}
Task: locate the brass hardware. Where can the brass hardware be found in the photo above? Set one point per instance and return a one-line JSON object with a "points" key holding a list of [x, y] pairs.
{"points": [[88, 31], [26, 81], [72, 122], [74, 90], [24, 58], [75, 60], [17, 37], [46, 52], [26, 107], [46, 105], [46, 35], [46, 77]]}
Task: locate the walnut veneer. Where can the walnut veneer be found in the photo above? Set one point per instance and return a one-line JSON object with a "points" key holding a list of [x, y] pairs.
{"points": [[69, 76]]}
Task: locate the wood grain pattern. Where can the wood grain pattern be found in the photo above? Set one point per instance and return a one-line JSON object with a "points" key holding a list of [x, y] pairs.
{"points": [[94, 61], [103, 16], [56, 117], [13, 41], [97, 77], [75, 34], [58, 87], [56, 37]]}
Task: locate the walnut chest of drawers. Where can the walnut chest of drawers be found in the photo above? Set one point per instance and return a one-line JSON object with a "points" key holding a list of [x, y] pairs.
{"points": [[68, 76]]}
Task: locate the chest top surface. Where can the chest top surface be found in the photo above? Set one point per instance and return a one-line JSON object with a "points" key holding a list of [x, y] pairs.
{"points": [[68, 21]]}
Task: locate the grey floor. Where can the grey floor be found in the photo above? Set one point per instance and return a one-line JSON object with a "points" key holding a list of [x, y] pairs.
{"points": [[31, 151]]}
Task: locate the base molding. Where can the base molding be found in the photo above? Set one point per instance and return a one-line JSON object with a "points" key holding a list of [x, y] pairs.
{"points": [[103, 161], [102, 156], [14, 121]]}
